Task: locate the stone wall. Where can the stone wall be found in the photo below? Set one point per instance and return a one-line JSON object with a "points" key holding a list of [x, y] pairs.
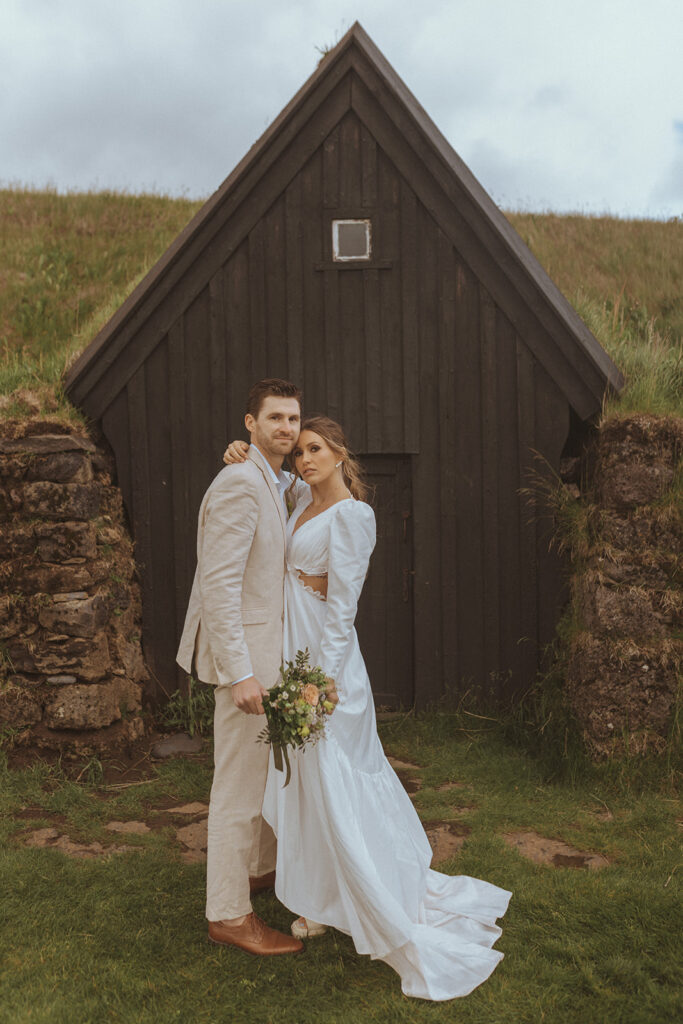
{"points": [[71, 665], [624, 660]]}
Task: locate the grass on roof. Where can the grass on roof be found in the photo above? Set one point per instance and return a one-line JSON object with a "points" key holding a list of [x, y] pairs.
{"points": [[67, 262]]}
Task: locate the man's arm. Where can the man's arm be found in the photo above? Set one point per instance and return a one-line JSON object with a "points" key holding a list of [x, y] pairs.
{"points": [[230, 519]]}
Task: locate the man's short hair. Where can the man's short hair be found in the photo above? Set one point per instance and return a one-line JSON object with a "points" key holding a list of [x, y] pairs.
{"points": [[270, 386]]}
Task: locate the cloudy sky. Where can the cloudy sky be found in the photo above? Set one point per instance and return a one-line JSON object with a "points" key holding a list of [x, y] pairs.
{"points": [[567, 105]]}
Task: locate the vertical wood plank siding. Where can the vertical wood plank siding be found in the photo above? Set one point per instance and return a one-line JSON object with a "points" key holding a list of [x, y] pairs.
{"points": [[416, 358], [429, 665], [237, 339], [409, 320], [388, 339], [159, 599], [467, 437], [181, 551], [490, 541], [526, 445], [293, 276], [312, 251], [452, 359], [507, 471], [275, 275], [217, 360]]}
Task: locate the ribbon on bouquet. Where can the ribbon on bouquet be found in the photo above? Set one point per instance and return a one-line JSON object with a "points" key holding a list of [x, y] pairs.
{"points": [[280, 759]]}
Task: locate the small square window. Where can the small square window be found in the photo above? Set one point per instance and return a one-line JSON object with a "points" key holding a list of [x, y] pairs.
{"points": [[351, 240]]}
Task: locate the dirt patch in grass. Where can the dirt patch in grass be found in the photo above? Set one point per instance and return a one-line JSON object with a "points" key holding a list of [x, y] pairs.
{"points": [[193, 808], [554, 852], [194, 838], [410, 783], [184, 823], [129, 828], [51, 837], [404, 769], [445, 838], [403, 766], [173, 816], [158, 805]]}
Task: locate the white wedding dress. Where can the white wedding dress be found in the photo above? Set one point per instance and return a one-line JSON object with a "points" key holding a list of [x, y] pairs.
{"points": [[351, 851]]}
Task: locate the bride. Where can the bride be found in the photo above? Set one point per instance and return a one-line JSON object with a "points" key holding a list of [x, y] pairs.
{"points": [[351, 851]]}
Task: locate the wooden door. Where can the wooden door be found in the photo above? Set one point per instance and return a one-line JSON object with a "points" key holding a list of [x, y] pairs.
{"points": [[385, 611]]}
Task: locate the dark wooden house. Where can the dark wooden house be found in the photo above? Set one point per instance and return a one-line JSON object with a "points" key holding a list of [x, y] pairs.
{"points": [[353, 252]]}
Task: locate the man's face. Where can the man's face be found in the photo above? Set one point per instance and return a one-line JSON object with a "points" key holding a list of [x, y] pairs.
{"points": [[275, 430]]}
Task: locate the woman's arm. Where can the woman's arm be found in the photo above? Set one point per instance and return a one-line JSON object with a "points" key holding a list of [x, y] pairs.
{"points": [[236, 452], [352, 539]]}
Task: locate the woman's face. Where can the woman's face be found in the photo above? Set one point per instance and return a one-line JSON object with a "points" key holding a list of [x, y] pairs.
{"points": [[315, 461]]}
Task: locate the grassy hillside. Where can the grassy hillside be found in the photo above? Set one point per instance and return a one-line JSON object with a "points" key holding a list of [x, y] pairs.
{"points": [[67, 262], [625, 279]]}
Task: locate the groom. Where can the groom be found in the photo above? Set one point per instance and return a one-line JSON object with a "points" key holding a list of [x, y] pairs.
{"points": [[233, 632]]}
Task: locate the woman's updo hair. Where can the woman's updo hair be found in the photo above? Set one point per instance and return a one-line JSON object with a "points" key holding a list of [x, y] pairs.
{"points": [[351, 468]]}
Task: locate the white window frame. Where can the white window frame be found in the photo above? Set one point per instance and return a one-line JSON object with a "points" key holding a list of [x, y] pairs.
{"points": [[335, 240]]}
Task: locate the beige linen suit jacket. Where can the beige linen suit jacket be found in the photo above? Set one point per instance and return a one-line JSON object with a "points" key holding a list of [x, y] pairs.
{"points": [[233, 626]]}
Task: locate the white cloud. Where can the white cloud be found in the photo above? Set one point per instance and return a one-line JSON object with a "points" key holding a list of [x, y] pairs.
{"points": [[565, 104]]}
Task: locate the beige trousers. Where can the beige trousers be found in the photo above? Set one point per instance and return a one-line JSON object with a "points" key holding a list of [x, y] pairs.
{"points": [[240, 842]]}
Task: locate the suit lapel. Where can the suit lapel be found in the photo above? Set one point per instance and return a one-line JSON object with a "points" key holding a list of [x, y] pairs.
{"points": [[260, 462]]}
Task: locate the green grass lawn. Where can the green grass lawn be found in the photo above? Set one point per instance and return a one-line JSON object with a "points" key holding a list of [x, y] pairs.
{"points": [[123, 938]]}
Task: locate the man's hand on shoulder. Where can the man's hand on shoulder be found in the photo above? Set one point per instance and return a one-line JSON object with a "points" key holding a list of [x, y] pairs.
{"points": [[247, 696]]}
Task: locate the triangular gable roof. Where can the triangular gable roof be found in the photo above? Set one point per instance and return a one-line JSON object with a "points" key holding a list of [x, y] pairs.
{"points": [[557, 336]]}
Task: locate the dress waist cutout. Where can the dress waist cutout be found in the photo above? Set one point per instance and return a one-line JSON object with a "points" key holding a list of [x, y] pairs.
{"points": [[315, 582]]}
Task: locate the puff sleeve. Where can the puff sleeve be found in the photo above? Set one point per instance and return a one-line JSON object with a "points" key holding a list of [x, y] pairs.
{"points": [[351, 541]]}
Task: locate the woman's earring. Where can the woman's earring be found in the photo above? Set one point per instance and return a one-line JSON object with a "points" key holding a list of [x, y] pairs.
{"points": [[339, 464]]}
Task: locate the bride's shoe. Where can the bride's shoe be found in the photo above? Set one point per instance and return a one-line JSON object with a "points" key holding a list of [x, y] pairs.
{"points": [[302, 928]]}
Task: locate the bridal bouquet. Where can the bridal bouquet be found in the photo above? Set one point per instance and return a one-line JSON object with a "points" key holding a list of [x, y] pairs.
{"points": [[296, 708]]}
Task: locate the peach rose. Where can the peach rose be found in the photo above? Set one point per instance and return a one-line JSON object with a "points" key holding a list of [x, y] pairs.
{"points": [[330, 690], [311, 694]]}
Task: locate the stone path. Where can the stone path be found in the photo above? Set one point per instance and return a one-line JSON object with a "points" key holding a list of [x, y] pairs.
{"points": [[189, 822]]}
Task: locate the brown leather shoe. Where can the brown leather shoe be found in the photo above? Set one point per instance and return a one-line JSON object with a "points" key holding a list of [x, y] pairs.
{"points": [[261, 883], [253, 936]]}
